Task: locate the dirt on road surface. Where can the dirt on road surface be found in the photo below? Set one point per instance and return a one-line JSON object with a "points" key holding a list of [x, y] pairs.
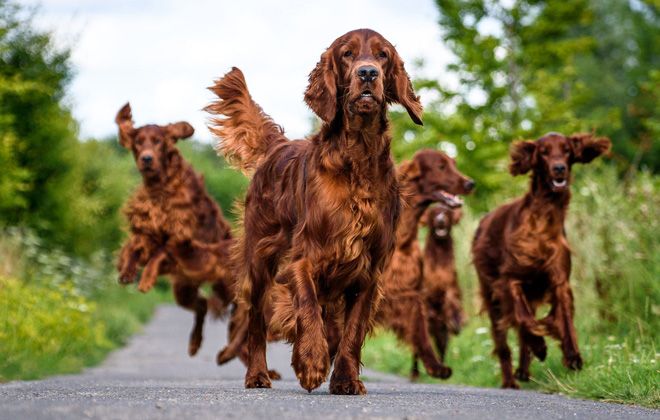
{"points": [[154, 378]]}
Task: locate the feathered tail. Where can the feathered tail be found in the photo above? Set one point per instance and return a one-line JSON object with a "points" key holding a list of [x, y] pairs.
{"points": [[245, 133]]}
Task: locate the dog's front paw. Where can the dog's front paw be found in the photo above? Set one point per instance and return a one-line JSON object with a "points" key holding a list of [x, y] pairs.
{"points": [[440, 371], [127, 277], [522, 375], [144, 287], [573, 361], [510, 385], [538, 347], [311, 365], [193, 345], [347, 387], [312, 373], [258, 380], [224, 356]]}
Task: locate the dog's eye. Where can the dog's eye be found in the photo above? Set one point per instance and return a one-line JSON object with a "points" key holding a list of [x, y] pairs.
{"points": [[348, 53], [382, 54], [544, 151]]}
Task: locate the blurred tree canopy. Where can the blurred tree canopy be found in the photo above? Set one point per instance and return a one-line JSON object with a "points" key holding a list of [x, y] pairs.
{"points": [[38, 134], [526, 67], [69, 192]]}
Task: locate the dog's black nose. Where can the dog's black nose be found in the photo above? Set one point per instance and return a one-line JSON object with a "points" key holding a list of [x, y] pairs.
{"points": [[147, 159], [367, 73], [469, 185], [559, 168]]}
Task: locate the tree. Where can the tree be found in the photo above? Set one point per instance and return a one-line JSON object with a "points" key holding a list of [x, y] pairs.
{"points": [[38, 132], [526, 67]]}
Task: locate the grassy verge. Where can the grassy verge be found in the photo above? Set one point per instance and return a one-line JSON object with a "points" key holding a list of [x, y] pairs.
{"points": [[616, 281], [59, 315], [616, 370]]}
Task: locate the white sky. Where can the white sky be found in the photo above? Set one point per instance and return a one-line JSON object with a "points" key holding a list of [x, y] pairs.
{"points": [[161, 55]]}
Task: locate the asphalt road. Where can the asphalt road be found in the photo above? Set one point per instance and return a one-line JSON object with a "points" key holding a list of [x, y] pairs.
{"points": [[154, 378]]}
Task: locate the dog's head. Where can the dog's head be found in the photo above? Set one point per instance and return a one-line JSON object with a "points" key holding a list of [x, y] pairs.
{"points": [[440, 220], [358, 75], [152, 145], [433, 176], [551, 157]]}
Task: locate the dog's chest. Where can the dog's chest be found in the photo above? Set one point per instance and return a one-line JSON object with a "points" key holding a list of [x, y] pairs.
{"points": [[362, 210], [537, 242], [162, 216]]}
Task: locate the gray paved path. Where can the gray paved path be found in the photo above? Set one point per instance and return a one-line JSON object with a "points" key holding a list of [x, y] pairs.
{"points": [[154, 378]]}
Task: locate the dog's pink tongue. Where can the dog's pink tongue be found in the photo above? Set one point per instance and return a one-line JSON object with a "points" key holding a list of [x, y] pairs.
{"points": [[451, 200]]}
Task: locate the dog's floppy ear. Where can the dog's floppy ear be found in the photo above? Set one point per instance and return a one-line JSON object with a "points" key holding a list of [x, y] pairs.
{"points": [[410, 170], [398, 88], [523, 157], [124, 120], [456, 215], [180, 130], [426, 217], [586, 147], [321, 93]]}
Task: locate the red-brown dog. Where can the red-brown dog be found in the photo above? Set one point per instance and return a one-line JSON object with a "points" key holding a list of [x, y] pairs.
{"points": [[522, 256], [176, 228], [431, 176], [441, 290], [320, 213]]}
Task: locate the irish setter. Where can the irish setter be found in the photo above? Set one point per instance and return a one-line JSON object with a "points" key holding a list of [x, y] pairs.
{"points": [[522, 255], [431, 176], [175, 227], [440, 284], [320, 213]]}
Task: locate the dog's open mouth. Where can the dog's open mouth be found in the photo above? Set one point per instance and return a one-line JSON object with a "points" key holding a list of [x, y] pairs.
{"points": [[441, 232], [450, 200], [367, 95], [559, 183]]}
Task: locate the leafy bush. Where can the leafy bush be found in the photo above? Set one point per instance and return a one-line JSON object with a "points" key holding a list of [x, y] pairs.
{"points": [[46, 330], [223, 183], [59, 313]]}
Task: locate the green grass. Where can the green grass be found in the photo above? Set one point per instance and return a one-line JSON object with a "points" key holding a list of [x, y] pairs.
{"points": [[616, 371], [613, 233], [55, 330], [58, 314]]}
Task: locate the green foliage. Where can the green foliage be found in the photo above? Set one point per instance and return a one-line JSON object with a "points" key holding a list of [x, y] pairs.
{"points": [[526, 67], [223, 183], [59, 314], [46, 330], [612, 230], [39, 134]]}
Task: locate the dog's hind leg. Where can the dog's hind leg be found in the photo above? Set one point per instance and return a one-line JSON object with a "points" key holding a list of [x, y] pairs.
{"points": [[421, 342], [522, 373], [414, 370], [332, 332], [257, 375], [188, 297], [440, 334]]}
